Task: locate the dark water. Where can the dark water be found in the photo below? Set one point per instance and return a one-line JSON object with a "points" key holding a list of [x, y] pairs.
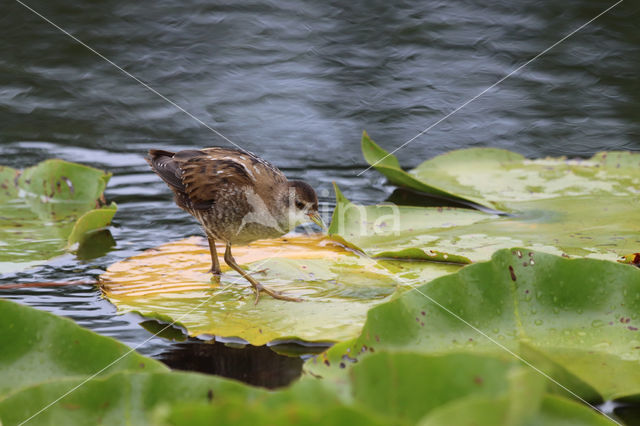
{"points": [[295, 82]]}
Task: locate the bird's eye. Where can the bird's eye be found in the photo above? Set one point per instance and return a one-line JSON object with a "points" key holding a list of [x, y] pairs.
{"points": [[300, 205]]}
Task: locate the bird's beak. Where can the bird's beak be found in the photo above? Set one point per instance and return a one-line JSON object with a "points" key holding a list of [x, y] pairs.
{"points": [[317, 219]]}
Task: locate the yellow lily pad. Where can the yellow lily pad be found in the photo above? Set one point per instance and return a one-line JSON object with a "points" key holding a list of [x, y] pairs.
{"points": [[338, 286]]}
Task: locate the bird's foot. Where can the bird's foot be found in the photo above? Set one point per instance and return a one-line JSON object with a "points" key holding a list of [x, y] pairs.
{"points": [[215, 276], [258, 288]]}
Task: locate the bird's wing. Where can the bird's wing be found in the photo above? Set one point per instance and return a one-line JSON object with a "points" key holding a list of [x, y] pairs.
{"points": [[163, 164], [207, 173]]}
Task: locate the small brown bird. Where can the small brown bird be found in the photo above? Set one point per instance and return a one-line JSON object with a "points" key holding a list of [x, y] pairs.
{"points": [[237, 197]]}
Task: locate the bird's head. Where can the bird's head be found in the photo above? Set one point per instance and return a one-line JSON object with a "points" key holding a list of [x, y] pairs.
{"points": [[304, 204]]}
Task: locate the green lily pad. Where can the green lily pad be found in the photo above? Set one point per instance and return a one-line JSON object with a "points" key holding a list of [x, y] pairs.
{"points": [[458, 389], [38, 346], [374, 381], [68, 375], [577, 226], [235, 412], [403, 389], [552, 411], [501, 180], [171, 283], [124, 397], [577, 319], [586, 208], [48, 209]]}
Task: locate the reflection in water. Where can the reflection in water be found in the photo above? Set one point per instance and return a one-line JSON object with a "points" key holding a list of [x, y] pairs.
{"points": [[96, 245], [255, 365]]}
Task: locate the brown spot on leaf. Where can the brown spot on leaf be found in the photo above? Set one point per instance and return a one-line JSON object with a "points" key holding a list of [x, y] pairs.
{"points": [[512, 272], [70, 406]]}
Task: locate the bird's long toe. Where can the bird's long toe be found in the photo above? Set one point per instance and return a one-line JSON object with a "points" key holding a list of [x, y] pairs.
{"points": [[259, 288]]}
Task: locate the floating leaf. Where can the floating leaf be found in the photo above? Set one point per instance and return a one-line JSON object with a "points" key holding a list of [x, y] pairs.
{"points": [[400, 389], [234, 412], [575, 226], [123, 397], [499, 179], [479, 410], [338, 286], [48, 208], [38, 346], [74, 376], [577, 319], [427, 382]]}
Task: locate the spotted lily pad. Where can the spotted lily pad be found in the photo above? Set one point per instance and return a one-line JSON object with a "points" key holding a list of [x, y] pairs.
{"points": [[575, 319], [54, 372], [338, 286], [502, 180], [586, 208], [574, 226], [47, 210]]}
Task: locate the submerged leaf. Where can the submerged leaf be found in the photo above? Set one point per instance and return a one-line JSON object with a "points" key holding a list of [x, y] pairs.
{"points": [[338, 286], [48, 208]]}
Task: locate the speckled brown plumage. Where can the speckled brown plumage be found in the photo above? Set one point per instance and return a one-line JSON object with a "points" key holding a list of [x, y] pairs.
{"points": [[236, 196]]}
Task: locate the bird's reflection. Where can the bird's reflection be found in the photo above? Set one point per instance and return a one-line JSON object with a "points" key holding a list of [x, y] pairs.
{"points": [[254, 365]]}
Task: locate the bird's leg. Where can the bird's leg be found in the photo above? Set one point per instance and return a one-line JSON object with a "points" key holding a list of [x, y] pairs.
{"points": [[257, 287], [215, 263]]}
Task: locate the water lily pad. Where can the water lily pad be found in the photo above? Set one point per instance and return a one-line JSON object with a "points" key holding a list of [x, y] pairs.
{"points": [[576, 226], [48, 209], [478, 410], [68, 375], [499, 179], [123, 397], [38, 346], [401, 389], [577, 319], [459, 389], [338, 286]]}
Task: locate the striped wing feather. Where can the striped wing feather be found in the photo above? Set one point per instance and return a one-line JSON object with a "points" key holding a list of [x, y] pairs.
{"points": [[199, 177]]}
